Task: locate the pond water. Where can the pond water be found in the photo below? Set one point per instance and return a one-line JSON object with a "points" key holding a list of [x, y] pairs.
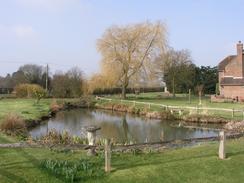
{"points": [[119, 126]]}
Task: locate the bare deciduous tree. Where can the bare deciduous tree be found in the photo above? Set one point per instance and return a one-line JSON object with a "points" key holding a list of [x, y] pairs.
{"points": [[32, 72], [176, 69], [68, 84], [125, 50]]}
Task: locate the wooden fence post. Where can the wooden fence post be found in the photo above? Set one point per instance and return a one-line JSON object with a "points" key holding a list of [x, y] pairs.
{"points": [[222, 145], [233, 110], [134, 103], [242, 115], [189, 95], [107, 153]]}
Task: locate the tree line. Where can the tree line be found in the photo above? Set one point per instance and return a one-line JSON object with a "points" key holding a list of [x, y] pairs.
{"points": [[134, 56], [60, 84]]}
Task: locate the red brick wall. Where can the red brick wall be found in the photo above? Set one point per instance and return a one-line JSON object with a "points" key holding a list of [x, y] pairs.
{"points": [[232, 91]]}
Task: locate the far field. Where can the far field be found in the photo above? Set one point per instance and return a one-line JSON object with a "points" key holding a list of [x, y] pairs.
{"points": [[183, 101]]}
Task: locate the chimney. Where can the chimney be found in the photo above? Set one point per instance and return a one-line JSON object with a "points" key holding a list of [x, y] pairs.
{"points": [[239, 49], [240, 58]]}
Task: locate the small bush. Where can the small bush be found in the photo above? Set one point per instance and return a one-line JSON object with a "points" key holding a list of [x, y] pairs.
{"points": [[38, 92], [29, 91], [13, 124], [21, 90]]}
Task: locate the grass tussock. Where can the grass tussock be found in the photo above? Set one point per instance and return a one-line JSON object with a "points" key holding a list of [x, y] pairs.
{"points": [[55, 107], [13, 124], [64, 138]]}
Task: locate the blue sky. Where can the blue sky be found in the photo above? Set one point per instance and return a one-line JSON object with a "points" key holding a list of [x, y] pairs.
{"points": [[63, 33]]}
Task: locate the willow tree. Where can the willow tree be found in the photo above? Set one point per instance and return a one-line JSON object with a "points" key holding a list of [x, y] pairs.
{"points": [[127, 49]]}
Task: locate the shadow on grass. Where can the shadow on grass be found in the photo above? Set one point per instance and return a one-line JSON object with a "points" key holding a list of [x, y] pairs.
{"points": [[123, 166], [232, 154], [11, 176], [19, 165]]}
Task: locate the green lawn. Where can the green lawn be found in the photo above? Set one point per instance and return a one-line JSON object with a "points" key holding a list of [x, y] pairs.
{"points": [[192, 164], [183, 100], [27, 108], [180, 100]]}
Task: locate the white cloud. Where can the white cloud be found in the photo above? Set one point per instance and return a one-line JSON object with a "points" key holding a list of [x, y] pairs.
{"points": [[24, 32]]}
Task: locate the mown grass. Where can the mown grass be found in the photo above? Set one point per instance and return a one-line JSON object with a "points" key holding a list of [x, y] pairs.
{"points": [[182, 100], [192, 164], [6, 139], [27, 108]]}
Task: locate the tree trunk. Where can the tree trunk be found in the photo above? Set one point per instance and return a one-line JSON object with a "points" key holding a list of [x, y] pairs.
{"points": [[123, 92], [124, 86]]}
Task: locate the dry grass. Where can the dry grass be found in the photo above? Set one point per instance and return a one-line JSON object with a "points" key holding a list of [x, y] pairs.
{"points": [[55, 107], [13, 124]]}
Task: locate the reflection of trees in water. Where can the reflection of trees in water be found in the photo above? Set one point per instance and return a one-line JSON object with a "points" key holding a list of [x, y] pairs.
{"points": [[110, 130], [125, 129], [172, 133], [119, 126], [71, 120]]}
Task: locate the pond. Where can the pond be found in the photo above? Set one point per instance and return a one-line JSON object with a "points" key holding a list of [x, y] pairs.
{"points": [[119, 126]]}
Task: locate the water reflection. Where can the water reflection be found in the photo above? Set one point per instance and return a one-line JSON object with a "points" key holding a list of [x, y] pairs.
{"points": [[119, 126]]}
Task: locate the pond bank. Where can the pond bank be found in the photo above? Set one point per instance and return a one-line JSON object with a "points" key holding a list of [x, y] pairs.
{"points": [[163, 114], [143, 147], [54, 109]]}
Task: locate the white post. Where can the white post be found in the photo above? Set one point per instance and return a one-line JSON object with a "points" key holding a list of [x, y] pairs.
{"points": [[222, 145], [180, 112], [91, 136], [165, 89]]}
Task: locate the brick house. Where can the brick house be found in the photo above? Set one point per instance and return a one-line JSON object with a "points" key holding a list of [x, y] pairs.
{"points": [[231, 75]]}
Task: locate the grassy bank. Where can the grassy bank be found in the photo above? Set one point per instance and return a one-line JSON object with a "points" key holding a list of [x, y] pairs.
{"points": [[28, 108], [180, 100], [192, 164]]}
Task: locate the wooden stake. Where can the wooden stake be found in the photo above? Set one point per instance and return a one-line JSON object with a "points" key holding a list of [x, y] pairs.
{"points": [[107, 153], [222, 145]]}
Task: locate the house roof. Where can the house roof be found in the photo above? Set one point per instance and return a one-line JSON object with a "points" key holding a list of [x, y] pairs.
{"points": [[224, 62], [230, 81]]}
